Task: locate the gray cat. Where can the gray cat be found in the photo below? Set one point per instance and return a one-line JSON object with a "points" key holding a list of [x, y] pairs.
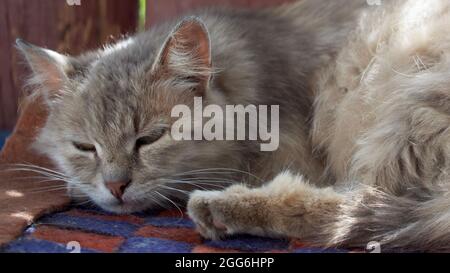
{"points": [[110, 117]]}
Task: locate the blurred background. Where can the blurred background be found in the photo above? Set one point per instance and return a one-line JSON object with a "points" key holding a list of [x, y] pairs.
{"points": [[73, 26]]}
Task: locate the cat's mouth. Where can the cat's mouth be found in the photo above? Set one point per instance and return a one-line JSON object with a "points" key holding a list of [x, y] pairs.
{"points": [[121, 206], [108, 203], [129, 203]]}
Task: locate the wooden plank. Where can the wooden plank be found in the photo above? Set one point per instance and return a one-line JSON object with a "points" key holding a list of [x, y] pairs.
{"points": [[56, 25], [160, 10]]}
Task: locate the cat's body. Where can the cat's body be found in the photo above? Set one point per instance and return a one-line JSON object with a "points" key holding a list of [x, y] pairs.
{"points": [[105, 101], [382, 119], [355, 122]]}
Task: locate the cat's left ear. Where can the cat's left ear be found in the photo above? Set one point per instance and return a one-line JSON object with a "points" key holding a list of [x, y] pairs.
{"points": [[186, 54], [48, 67]]}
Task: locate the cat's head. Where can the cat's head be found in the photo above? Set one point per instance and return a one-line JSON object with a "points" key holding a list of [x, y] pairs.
{"points": [[108, 128]]}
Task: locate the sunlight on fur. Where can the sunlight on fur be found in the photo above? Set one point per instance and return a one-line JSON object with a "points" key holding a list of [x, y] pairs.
{"points": [[364, 98]]}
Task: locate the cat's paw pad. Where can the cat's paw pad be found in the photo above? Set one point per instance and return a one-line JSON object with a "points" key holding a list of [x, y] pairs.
{"points": [[207, 219]]}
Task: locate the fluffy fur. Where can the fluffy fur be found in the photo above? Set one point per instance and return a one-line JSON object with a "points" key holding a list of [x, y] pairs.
{"points": [[364, 121], [381, 118], [110, 99]]}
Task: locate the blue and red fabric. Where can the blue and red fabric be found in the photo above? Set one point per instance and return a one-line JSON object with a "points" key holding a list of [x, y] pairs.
{"points": [[152, 232]]}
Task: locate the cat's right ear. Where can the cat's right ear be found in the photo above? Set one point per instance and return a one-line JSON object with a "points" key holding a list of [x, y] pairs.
{"points": [[186, 54], [48, 67]]}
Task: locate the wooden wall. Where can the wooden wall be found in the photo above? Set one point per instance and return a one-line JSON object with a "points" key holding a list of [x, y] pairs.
{"points": [[56, 25], [72, 29], [159, 10]]}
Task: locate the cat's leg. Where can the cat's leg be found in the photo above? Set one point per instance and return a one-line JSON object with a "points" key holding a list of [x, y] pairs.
{"points": [[287, 206]]}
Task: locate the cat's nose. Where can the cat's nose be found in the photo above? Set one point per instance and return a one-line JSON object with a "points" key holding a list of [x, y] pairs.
{"points": [[117, 188]]}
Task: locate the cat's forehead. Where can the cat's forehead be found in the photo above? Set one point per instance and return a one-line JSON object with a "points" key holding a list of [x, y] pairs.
{"points": [[108, 115], [118, 92], [113, 105], [103, 104]]}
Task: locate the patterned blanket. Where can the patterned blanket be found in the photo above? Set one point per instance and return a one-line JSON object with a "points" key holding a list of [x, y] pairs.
{"points": [[89, 230]]}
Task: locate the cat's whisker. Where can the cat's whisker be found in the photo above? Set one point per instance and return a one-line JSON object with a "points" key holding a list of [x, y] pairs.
{"points": [[168, 199], [35, 171], [188, 183], [152, 196], [37, 167], [217, 184], [214, 186], [45, 191], [206, 183], [34, 178], [50, 180], [56, 187], [209, 180], [156, 201], [218, 179], [85, 202], [223, 169], [174, 189], [51, 187], [231, 170], [78, 195], [202, 172]]}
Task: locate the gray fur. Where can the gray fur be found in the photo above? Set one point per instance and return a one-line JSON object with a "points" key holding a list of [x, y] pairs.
{"points": [[377, 133], [381, 120], [111, 97]]}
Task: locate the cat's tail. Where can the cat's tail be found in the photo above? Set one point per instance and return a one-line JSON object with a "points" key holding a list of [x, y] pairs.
{"points": [[416, 222]]}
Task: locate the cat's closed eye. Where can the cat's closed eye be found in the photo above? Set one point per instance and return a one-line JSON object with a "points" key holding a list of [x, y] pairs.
{"points": [[84, 147], [150, 139]]}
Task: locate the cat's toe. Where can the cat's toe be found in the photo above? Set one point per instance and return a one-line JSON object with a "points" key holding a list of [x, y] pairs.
{"points": [[199, 209]]}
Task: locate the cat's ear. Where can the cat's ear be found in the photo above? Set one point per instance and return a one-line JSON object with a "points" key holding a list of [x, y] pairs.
{"points": [[186, 54], [48, 67]]}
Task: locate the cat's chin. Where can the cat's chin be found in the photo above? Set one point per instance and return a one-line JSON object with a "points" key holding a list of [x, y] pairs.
{"points": [[123, 208]]}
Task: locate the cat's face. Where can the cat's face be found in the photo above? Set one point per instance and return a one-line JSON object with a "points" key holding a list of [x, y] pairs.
{"points": [[109, 123]]}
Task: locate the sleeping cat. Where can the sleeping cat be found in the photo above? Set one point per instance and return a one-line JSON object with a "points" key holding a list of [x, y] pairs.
{"points": [[110, 110], [364, 117]]}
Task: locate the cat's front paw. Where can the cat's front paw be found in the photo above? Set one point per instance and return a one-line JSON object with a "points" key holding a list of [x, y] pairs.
{"points": [[200, 210], [238, 209]]}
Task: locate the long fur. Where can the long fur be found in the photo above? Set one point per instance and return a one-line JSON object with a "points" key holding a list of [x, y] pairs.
{"points": [[381, 120], [395, 71], [364, 109]]}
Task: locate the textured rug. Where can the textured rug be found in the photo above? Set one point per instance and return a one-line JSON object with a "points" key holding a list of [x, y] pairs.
{"points": [[21, 201], [90, 230]]}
